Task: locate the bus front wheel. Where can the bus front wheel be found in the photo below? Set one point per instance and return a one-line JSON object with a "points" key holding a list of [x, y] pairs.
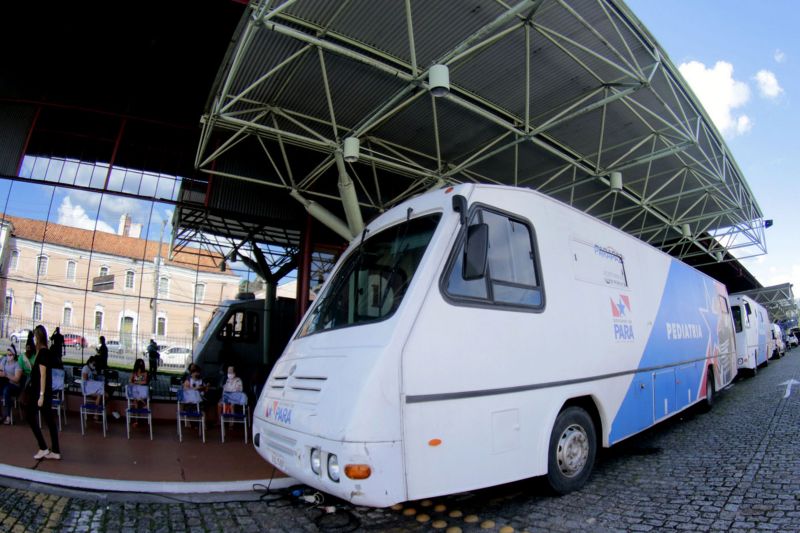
{"points": [[573, 446]]}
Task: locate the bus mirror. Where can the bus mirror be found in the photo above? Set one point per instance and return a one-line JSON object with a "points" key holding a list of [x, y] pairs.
{"points": [[460, 207], [476, 251]]}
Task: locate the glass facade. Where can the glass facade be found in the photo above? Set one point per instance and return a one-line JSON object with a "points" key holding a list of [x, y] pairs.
{"points": [[99, 262]]}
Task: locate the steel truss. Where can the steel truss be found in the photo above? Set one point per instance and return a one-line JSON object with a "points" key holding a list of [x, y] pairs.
{"points": [[778, 299], [627, 110]]}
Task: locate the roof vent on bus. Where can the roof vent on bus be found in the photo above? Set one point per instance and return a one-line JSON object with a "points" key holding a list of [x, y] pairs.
{"points": [[245, 296]]}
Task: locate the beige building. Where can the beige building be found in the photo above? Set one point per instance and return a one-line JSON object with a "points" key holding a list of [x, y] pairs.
{"points": [[96, 283]]}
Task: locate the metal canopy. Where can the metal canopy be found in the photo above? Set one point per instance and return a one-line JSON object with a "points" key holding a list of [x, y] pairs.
{"points": [[562, 96], [778, 300]]}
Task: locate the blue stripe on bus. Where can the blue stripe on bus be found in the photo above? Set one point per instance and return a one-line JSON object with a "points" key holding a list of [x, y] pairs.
{"points": [[685, 329]]}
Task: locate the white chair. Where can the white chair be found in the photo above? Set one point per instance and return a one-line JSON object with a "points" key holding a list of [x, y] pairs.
{"points": [[190, 410], [235, 403], [93, 388], [58, 402], [135, 394]]}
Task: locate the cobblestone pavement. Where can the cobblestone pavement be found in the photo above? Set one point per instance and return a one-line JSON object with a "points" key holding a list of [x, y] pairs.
{"points": [[734, 469]]}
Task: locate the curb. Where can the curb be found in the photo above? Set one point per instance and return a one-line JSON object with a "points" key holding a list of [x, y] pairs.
{"points": [[147, 487]]}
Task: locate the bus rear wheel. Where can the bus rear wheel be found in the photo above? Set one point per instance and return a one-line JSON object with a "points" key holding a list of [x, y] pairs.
{"points": [[573, 446], [711, 390]]}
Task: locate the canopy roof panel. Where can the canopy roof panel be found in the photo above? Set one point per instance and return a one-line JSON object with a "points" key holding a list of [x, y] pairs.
{"points": [[778, 299], [555, 95]]}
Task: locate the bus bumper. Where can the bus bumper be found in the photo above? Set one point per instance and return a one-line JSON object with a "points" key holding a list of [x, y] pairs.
{"points": [[290, 451]]}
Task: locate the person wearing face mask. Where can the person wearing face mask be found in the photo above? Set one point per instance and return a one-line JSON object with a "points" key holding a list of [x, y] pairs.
{"points": [[233, 383], [10, 381]]}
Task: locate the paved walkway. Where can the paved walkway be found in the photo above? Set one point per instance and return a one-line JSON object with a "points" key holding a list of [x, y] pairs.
{"points": [[115, 457]]}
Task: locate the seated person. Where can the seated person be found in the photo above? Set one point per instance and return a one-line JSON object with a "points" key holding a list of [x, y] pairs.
{"points": [[195, 379], [139, 374], [189, 371], [233, 383], [10, 381], [90, 373], [139, 377]]}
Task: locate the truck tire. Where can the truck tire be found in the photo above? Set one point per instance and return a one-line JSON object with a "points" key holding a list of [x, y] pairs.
{"points": [[572, 450]]}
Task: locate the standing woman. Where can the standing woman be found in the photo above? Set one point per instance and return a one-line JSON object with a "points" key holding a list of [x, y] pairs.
{"points": [[41, 396]]}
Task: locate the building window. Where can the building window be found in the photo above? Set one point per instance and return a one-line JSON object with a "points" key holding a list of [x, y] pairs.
{"points": [[199, 292], [104, 271], [129, 279], [163, 287], [98, 320], [67, 316], [41, 265], [161, 328], [14, 259], [37, 311], [71, 270], [195, 329], [9, 304]]}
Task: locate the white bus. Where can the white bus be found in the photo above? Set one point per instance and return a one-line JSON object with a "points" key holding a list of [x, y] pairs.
{"points": [[750, 323], [439, 357]]}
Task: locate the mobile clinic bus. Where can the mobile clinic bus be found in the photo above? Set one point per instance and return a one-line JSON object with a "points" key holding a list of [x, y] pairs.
{"points": [[750, 323], [435, 359]]}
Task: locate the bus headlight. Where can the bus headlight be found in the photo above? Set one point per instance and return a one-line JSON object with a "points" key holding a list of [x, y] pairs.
{"points": [[333, 467], [316, 461]]}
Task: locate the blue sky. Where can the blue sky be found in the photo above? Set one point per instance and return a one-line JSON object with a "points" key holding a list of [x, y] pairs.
{"points": [[742, 58], [80, 208]]}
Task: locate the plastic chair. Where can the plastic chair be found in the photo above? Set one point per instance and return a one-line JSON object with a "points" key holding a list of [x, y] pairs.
{"points": [[135, 394], [58, 402], [93, 388], [190, 410], [16, 404], [235, 403]]}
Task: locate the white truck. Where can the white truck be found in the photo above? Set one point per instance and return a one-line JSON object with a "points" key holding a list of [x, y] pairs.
{"points": [[750, 322], [434, 360], [777, 337]]}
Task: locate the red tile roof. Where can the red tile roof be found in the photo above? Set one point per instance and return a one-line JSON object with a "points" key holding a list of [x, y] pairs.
{"points": [[111, 244]]}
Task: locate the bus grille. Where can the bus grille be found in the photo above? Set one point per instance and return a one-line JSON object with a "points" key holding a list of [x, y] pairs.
{"points": [[297, 387]]}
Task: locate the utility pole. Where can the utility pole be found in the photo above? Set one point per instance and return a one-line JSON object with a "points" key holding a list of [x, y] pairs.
{"points": [[156, 279]]}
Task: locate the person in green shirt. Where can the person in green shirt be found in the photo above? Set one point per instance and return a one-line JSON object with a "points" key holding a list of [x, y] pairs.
{"points": [[23, 362]]}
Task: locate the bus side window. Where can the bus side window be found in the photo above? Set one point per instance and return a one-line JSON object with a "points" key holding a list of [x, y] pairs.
{"points": [[736, 312], [512, 275], [241, 327], [747, 314]]}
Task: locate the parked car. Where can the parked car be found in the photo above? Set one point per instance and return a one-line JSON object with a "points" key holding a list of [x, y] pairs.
{"points": [[73, 340], [793, 342], [177, 355], [114, 346], [18, 337]]}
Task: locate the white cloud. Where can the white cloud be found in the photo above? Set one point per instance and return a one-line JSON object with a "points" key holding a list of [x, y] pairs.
{"points": [[779, 56], [768, 84], [743, 124], [720, 94], [74, 215]]}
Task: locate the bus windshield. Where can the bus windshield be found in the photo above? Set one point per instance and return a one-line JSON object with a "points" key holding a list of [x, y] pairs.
{"points": [[373, 279]]}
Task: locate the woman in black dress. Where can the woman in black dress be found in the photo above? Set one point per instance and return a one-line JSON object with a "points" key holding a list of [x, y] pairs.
{"points": [[40, 397]]}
